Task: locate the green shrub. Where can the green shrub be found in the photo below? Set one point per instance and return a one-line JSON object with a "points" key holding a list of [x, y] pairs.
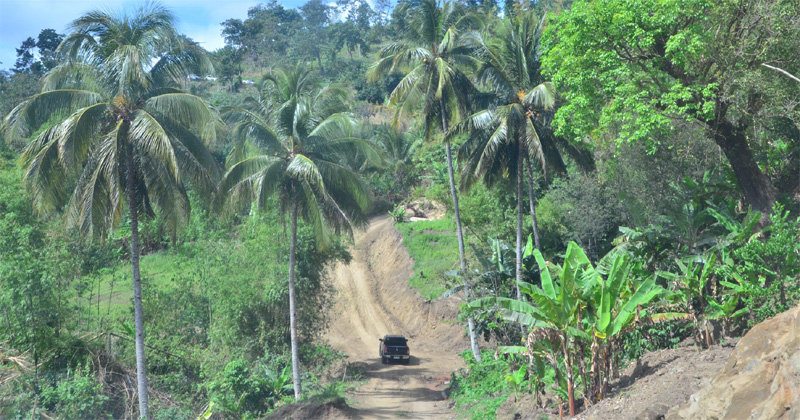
{"points": [[770, 266], [480, 391], [238, 391], [79, 396], [172, 413], [398, 213], [652, 337]]}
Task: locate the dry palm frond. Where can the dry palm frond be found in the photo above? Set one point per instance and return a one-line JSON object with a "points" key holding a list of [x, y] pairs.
{"points": [[13, 364]]}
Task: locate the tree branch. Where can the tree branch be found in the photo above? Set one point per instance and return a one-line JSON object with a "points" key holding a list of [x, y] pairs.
{"points": [[795, 78]]}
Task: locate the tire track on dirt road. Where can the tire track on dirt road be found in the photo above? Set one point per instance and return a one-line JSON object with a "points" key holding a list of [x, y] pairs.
{"points": [[373, 299]]}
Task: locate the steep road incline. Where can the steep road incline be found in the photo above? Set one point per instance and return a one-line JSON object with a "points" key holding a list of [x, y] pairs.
{"points": [[374, 299]]}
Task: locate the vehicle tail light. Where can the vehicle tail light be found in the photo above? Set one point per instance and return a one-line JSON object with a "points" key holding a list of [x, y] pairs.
{"points": [[408, 351], [385, 349]]}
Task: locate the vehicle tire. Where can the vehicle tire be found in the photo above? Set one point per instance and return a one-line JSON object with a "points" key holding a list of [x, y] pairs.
{"points": [[406, 361], [383, 360]]}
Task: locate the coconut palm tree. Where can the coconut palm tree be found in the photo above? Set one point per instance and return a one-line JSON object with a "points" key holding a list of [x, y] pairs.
{"points": [[398, 147], [504, 136], [116, 133], [294, 142], [433, 58]]}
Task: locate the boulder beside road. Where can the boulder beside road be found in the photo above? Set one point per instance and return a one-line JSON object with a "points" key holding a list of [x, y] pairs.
{"points": [[761, 379]]}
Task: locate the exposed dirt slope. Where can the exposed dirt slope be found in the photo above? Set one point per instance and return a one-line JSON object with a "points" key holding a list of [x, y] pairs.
{"points": [[374, 299], [645, 391]]}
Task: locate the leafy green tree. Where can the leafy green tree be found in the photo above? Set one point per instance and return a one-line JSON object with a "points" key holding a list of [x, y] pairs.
{"points": [[47, 42], [504, 136], [347, 35], [268, 30], [14, 88], [313, 36], [294, 142], [431, 53], [358, 12], [233, 32], [115, 133], [25, 58], [630, 69], [274, 26], [382, 12], [229, 60]]}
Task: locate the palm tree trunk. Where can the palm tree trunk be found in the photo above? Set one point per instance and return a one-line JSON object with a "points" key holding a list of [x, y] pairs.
{"points": [[473, 339], [534, 222], [292, 306], [138, 316], [520, 183]]}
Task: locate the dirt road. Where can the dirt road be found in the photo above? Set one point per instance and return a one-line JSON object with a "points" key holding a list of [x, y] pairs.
{"points": [[374, 299]]}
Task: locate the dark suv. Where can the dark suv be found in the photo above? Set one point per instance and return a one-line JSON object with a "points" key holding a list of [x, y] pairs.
{"points": [[394, 347]]}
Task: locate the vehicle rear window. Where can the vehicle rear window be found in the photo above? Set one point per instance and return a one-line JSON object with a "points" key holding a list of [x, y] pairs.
{"points": [[395, 341]]}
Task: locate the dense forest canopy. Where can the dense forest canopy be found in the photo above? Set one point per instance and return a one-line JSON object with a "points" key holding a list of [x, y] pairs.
{"points": [[168, 214]]}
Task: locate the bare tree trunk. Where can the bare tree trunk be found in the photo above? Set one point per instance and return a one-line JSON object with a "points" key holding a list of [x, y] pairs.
{"points": [[520, 183], [473, 339], [534, 222], [319, 63], [292, 306], [141, 366]]}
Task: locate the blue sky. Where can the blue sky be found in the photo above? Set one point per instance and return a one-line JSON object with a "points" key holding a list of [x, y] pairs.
{"points": [[199, 19]]}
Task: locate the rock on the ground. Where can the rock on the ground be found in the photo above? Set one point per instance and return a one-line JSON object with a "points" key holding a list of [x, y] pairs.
{"points": [[761, 379], [655, 412], [424, 209]]}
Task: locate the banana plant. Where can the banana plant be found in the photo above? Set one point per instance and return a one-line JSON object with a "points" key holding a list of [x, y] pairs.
{"points": [[695, 272], [617, 301], [517, 380], [727, 308], [554, 311], [726, 311], [277, 385]]}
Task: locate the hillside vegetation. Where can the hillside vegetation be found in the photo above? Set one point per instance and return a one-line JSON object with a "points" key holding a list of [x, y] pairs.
{"points": [[617, 177]]}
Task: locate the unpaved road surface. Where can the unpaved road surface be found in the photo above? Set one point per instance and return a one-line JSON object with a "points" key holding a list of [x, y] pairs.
{"points": [[374, 299]]}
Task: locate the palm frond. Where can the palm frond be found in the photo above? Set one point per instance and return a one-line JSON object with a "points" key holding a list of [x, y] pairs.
{"points": [[96, 204], [196, 163], [188, 110], [246, 181], [36, 111], [74, 75], [79, 132], [338, 125], [150, 137], [45, 177], [543, 96]]}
